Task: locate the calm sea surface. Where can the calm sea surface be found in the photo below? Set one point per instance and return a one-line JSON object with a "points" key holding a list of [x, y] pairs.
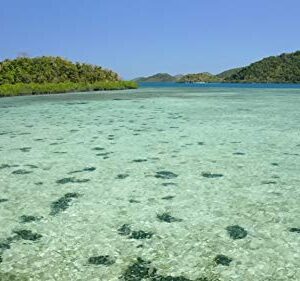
{"points": [[164, 183]]}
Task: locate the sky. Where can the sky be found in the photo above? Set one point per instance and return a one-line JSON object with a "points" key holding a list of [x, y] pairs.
{"points": [[142, 37]]}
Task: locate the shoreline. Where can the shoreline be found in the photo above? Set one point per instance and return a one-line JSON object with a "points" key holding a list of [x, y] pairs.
{"points": [[22, 89]]}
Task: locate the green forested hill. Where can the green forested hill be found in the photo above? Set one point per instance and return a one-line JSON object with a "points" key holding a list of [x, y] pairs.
{"points": [[276, 69], [284, 68], [48, 75], [229, 72], [159, 77], [51, 70], [199, 77]]}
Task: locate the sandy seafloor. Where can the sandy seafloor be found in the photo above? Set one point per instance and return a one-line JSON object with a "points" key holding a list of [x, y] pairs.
{"points": [[249, 139]]}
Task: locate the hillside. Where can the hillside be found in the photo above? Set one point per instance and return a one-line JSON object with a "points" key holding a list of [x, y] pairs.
{"points": [[199, 77], [229, 72], [51, 70], [47, 75], [284, 68], [159, 77]]}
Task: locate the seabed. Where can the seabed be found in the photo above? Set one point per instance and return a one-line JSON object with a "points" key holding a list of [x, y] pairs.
{"points": [[151, 184]]}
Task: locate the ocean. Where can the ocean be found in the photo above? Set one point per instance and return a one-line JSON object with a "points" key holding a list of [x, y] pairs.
{"points": [[169, 182]]}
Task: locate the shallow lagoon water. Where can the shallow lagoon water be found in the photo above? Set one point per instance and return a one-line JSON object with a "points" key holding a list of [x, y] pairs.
{"points": [[151, 184]]}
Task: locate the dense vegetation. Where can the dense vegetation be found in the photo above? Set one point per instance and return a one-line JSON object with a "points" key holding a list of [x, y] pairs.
{"points": [[227, 73], [199, 77], [52, 88], [284, 68], [51, 70], [165, 77], [55, 75], [280, 69], [159, 77]]}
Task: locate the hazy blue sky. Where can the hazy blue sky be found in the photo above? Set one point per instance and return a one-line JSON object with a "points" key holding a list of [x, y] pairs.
{"points": [[142, 37]]}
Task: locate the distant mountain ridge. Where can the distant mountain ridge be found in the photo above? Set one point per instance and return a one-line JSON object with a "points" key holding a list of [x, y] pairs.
{"points": [[229, 72], [159, 77], [199, 77], [284, 68]]}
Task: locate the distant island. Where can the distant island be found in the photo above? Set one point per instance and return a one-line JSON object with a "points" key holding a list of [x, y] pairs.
{"points": [[284, 68], [159, 77], [47, 75], [199, 77]]}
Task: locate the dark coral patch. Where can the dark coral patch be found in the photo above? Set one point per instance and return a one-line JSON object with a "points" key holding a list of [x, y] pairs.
{"points": [[236, 232], [27, 235], [25, 149], [4, 246], [139, 160], [6, 166], [169, 184], [138, 271], [122, 176], [87, 169], [32, 166], [269, 182], [104, 154], [124, 230], [39, 183], [295, 229], [134, 201], [71, 180], [63, 203], [26, 219], [166, 217], [21, 172], [2, 200], [101, 260], [165, 175], [98, 148], [143, 270], [65, 180], [6, 276], [211, 175], [140, 234], [169, 197], [222, 260]]}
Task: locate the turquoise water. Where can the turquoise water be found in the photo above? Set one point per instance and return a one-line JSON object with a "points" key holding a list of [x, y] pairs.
{"points": [[219, 85], [158, 184]]}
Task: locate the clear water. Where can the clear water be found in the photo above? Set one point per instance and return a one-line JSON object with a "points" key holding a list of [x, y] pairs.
{"points": [[219, 85], [234, 159]]}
